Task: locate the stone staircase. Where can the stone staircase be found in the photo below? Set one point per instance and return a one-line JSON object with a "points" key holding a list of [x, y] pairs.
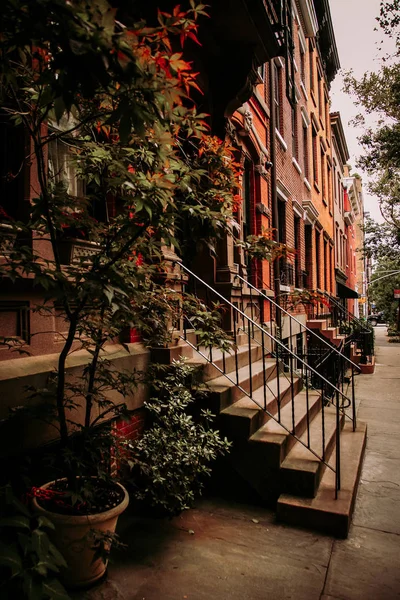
{"points": [[330, 333], [277, 466]]}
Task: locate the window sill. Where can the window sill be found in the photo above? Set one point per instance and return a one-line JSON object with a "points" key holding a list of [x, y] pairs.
{"points": [[296, 165], [284, 288], [313, 97], [281, 140], [324, 201], [303, 89], [307, 184], [317, 187]]}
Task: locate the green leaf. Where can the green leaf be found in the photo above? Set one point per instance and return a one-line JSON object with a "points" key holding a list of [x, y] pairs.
{"points": [[9, 557], [55, 590], [45, 522], [16, 521], [32, 588], [40, 543]]}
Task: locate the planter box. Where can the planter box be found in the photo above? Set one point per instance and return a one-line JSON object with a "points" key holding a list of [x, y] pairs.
{"points": [[75, 252], [369, 368]]}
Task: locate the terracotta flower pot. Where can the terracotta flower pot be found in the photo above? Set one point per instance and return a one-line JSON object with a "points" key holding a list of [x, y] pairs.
{"points": [[71, 539]]}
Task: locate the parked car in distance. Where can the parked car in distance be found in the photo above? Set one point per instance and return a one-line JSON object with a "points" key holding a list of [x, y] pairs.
{"points": [[377, 318]]}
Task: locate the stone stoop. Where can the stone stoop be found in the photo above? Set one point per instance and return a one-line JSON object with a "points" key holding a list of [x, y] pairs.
{"points": [[265, 456], [331, 334], [324, 512]]}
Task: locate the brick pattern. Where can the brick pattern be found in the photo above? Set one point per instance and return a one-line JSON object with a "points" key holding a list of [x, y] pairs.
{"points": [[126, 430]]}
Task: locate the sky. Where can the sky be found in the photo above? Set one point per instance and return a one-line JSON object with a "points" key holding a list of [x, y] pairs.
{"points": [[357, 43]]}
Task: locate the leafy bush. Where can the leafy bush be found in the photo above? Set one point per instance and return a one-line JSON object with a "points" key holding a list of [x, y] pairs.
{"points": [[174, 455]]}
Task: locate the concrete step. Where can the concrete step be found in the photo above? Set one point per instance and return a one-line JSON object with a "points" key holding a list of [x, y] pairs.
{"points": [[275, 437], [331, 332], [243, 418], [224, 390], [301, 470], [324, 512], [321, 324], [209, 371]]}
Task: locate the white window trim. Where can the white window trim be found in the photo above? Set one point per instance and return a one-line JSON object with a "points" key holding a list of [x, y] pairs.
{"points": [[296, 165], [281, 140]]}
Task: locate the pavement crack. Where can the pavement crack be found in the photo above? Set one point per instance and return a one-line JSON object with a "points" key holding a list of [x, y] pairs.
{"points": [[376, 529], [379, 481], [327, 569]]}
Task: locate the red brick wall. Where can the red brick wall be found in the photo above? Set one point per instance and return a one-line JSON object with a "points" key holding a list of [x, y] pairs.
{"points": [[127, 430]]}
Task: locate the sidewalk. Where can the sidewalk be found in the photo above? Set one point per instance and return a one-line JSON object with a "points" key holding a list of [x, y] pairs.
{"points": [[234, 552]]}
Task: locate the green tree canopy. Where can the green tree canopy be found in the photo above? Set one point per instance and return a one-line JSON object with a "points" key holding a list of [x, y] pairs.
{"points": [[378, 93]]}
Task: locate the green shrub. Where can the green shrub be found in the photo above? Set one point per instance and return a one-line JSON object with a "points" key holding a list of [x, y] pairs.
{"points": [[171, 460]]}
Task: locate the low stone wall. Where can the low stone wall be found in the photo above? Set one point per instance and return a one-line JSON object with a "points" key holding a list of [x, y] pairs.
{"points": [[20, 374]]}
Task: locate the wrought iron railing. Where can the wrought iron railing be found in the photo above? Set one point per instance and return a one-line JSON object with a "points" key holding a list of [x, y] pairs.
{"points": [[352, 327], [331, 361], [288, 364]]}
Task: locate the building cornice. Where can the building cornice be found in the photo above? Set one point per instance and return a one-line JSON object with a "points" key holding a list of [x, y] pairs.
{"points": [[308, 16]]}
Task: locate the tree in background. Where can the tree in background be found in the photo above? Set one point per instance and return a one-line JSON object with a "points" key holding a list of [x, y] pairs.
{"points": [[385, 279], [378, 93]]}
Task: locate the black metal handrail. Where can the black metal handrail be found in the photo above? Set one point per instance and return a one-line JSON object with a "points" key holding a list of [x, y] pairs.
{"points": [[358, 331], [328, 390], [291, 317], [347, 315]]}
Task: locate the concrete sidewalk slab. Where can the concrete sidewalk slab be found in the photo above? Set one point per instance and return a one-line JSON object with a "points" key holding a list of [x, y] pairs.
{"points": [[364, 567]]}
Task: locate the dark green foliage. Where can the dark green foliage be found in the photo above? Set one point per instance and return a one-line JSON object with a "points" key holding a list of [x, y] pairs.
{"points": [[171, 460], [29, 561]]}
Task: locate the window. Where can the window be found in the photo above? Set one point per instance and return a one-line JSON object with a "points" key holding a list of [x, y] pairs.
{"points": [[326, 266], [289, 54], [323, 179], [62, 167], [318, 257], [340, 194], [327, 121], [12, 159], [308, 242], [302, 65], [261, 72], [330, 199], [315, 153], [277, 97], [319, 93], [297, 246], [247, 190], [311, 64], [306, 159], [337, 247], [335, 184], [295, 152]]}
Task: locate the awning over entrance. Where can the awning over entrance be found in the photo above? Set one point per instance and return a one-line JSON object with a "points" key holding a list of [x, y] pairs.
{"points": [[343, 291]]}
